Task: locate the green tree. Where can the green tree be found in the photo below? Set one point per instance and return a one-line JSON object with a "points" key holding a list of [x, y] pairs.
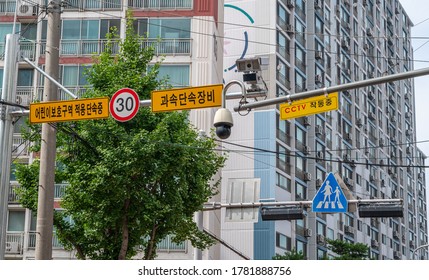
{"points": [[134, 183], [348, 251], [292, 255]]}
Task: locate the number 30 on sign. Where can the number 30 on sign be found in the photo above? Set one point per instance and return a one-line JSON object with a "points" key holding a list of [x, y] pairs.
{"points": [[124, 104]]}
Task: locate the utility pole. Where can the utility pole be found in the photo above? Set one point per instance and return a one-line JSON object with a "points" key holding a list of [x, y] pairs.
{"points": [[45, 205], [8, 95]]}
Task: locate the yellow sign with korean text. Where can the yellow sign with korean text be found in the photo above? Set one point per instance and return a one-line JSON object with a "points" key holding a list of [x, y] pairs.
{"points": [[187, 98], [70, 110], [309, 106]]}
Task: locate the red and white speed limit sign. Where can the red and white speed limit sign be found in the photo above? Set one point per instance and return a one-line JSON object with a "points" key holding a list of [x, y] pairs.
{"points": [[124, 104]]}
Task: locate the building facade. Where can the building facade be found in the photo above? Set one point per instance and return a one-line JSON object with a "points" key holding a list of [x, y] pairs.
{"points": [[189, 38], [370, 141]]}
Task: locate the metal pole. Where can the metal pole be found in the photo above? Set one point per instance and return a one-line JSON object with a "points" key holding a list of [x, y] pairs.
{"points": [[228, 85], [49, 77], [318, 92], [418, 248], [307, 203], [9, 95], [45, 205]]}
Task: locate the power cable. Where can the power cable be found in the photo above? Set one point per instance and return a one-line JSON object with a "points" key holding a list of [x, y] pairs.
{"points": [[251, 41], [320, 159], [176, 14]]}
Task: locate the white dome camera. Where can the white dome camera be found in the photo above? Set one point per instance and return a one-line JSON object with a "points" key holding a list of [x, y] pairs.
{"points": [[223, 123]]}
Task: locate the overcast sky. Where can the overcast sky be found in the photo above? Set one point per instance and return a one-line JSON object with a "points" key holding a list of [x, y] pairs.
{"points": [[417, 10]]}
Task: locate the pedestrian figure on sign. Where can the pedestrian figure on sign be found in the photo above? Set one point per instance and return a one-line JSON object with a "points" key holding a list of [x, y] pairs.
{"points": [[337, 194], [327, 191]]}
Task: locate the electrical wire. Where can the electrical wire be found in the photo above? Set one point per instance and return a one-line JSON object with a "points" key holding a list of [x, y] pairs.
{"points": [[293, 154], [178, 14], [199, 33], [249, 26], [251, 41]]}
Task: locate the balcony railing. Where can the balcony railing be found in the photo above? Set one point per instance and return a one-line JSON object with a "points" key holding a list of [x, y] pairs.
{"points": [[24, 95], [27, 49], [93, 5], [59, 191], [167, 245], [13, 196], [19, 146], [161, 4], [77, 90], [7, 6], [14, 243], [32, 241], [169, 46], [92, 47], [81, 47]]}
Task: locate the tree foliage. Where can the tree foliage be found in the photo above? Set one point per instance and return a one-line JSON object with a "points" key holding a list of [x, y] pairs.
{"points": [[348, 251], [292, 255], [131, 184]]}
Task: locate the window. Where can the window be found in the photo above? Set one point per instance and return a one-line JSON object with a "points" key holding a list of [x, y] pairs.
{"points": [[300, 135], [16, 221], [320, 175], [300, 58], [321, 254], [299, 82], [283, 161], [330, 234], [106, 26], [320, 228], [170, 28], [25, 77], [5, 28], [300, 191], [283, 182], [283, 242], [300, 163], [301, 247], [178, 75], [80, 29], [73, 75], [283, 73], [319, 26], [299, 32], [283, 130], [283, 15], [141, 26]]}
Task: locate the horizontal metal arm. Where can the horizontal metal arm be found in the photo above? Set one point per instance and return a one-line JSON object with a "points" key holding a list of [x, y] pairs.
{"points": [[337, 88], [49, 77], [307, 203]]}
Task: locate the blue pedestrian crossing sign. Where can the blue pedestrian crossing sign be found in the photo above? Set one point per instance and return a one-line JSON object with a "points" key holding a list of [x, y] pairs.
{"points": [[330, 197]]}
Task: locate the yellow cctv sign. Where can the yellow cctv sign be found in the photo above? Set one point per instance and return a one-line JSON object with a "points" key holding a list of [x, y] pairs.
{"points": [[309, 106], [70, 110], [187, 98]]}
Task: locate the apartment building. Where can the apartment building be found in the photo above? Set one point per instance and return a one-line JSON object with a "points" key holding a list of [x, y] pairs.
{"points": [[370, 141], [189, 38]]}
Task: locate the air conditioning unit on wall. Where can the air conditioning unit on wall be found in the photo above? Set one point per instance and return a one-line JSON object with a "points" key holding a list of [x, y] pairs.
{"points": [[25, 9], [12, 248]]}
